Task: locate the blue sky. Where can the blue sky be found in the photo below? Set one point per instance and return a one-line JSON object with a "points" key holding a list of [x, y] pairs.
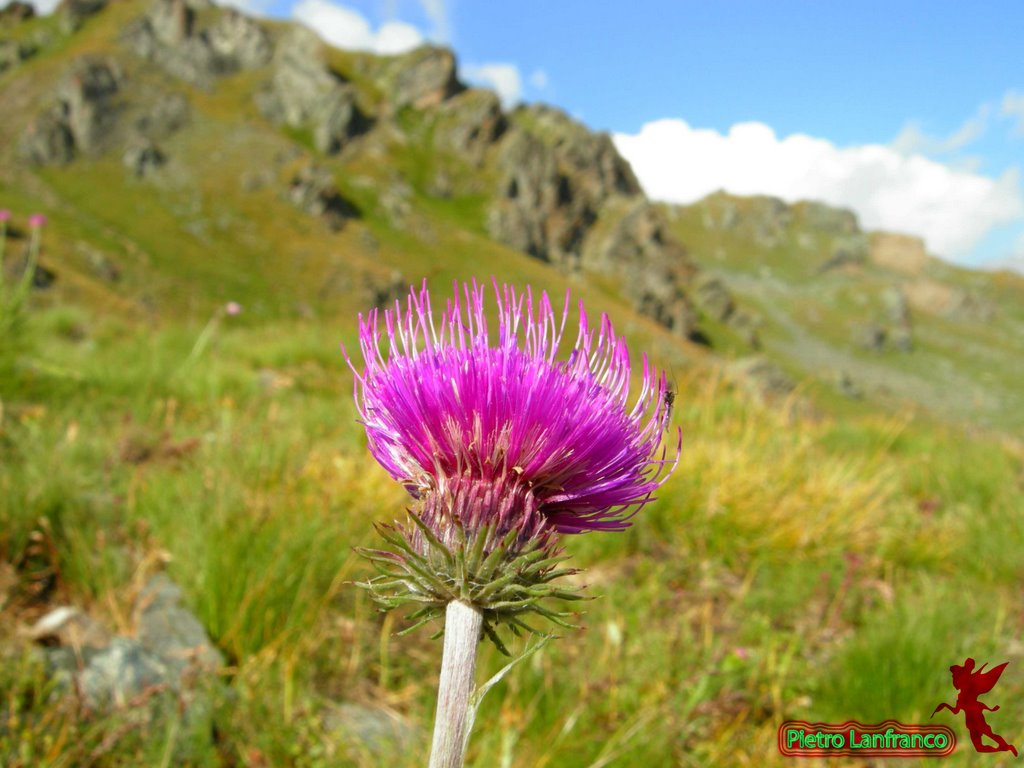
{"points": [[911, 113]]}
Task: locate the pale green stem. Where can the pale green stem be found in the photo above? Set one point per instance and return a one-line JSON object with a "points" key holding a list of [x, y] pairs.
{"points": [[462, 627], [204, 337]]}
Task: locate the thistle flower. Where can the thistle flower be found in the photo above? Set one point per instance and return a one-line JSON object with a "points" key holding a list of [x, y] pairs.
{"points": [[451, 409], [37, 220], [498, 439], [503, 446], [5, 215]]}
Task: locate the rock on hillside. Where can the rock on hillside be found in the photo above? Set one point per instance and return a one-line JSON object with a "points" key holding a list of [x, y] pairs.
{"points": [[170, 36], [567, 197], [304, 92], [83, 117], [900, 253], [423, 78]]}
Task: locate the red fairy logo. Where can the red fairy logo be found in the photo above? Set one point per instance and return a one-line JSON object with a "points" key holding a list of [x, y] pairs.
{"points": [[973, 683]]}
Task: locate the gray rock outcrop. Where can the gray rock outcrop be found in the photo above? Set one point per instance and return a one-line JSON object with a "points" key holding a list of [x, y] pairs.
{"points": [[168, 36], [83, 118], [567, 197], [313, 191], [13, 52], [305, 93], [469, 124], [73, 13], [653, 267], [170, 651], [16, 12], [239, 42], [554, 178], [422, 78]]}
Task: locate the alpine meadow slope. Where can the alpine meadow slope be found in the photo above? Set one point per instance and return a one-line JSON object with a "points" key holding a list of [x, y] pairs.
{"points": [[183, 481]]}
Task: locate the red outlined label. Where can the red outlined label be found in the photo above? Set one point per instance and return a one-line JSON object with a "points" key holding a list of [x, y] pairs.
{"points": [[798, 738]]}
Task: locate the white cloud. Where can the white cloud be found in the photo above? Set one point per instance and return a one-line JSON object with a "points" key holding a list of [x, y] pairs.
{"points": [[503, 78], [44, 7], [952, 209], [1013, 106], [437, 12], [346, 28], [539, 79], [913, 140]]}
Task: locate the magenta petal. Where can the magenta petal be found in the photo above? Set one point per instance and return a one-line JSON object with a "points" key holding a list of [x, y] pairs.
{"points": [[445, 404]]}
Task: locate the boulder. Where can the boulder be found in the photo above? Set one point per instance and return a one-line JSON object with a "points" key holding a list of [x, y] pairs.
{"points": [[170, 651], [48, 140], [904, 254], [337, 120], [526, 213], [73, 13], [636, 248], [87, 99], [312, 190], [171, 22], [423, 78], [469, 124], [84, 117], [13, 52], [848, 252], [168, 631], [16, 12], [143, 158], [304, 92], [239, 41], [554, 178], [168, 36]]}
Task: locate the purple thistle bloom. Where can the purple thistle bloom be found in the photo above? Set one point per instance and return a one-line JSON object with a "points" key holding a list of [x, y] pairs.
{"points": [[36, 220], [5, 215], [499, 431]]}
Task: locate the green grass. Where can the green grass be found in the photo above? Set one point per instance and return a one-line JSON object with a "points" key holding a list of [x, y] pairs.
{"points": [[786, 570], [827, 562]]}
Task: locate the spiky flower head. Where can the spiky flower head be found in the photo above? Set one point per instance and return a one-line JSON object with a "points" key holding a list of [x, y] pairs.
{"points": [[502, 443]]}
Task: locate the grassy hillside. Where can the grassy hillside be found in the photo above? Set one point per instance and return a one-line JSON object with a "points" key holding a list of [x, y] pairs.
{"points": [[825, 557], [964, 329]]}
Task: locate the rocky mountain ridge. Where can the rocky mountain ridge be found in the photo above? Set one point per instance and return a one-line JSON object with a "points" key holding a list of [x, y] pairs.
{"points": [[330, 169], [555, 180]]}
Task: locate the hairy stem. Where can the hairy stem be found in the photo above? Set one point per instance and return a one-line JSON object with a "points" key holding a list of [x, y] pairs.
{"points": [[462, 626]]}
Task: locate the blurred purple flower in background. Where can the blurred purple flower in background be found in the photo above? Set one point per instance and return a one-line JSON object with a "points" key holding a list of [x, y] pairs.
{"points": [[233, 308], [37, 220]]}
